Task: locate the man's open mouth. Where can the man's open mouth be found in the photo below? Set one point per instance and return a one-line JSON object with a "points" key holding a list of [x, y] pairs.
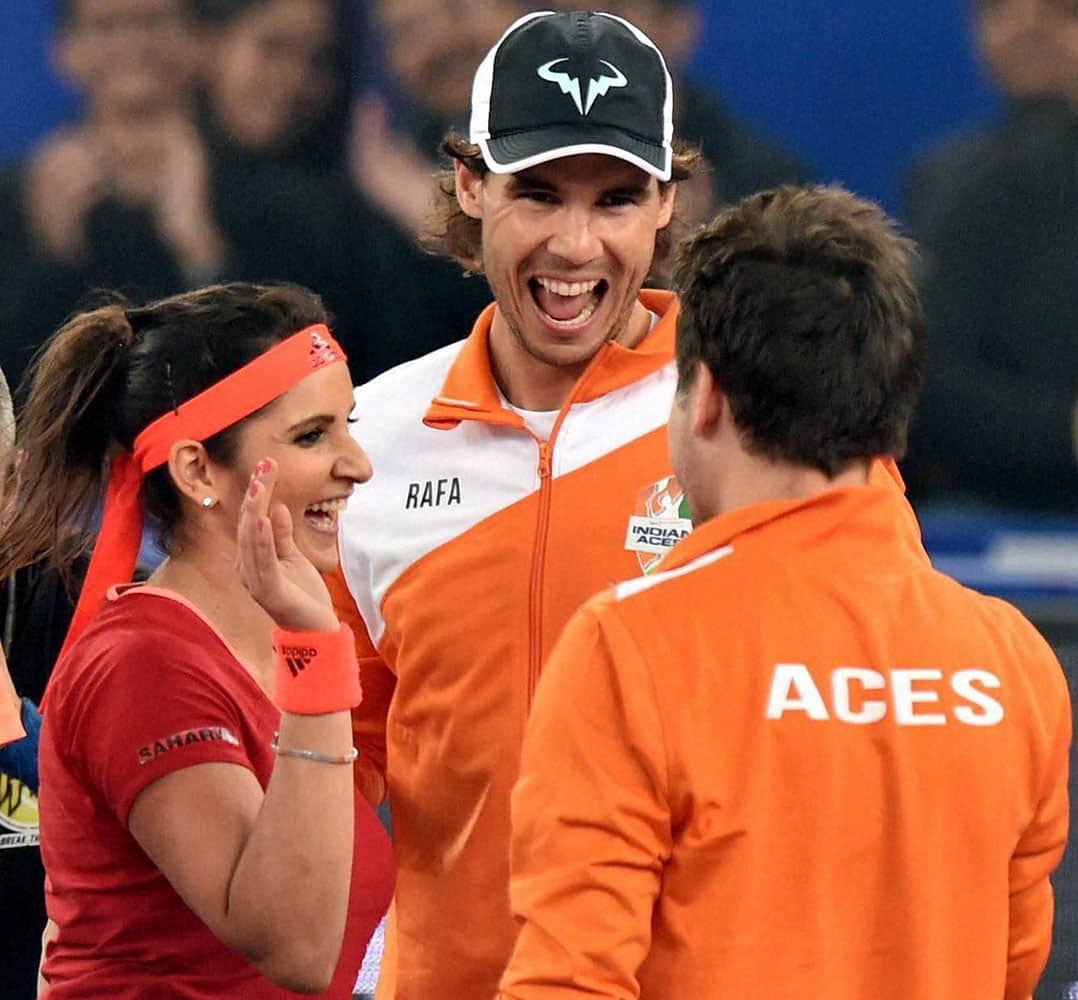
{"points": [[567, 304]]}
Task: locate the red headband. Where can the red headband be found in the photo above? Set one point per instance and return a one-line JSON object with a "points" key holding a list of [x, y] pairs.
{"points": [[223, 404]]}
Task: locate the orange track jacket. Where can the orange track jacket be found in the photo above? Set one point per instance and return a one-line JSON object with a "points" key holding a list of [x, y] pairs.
{"points": [[466, 554], [794, 762]]}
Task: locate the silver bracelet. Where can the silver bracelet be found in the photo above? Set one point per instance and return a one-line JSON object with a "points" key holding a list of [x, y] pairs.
{"points": [[322, 758]]}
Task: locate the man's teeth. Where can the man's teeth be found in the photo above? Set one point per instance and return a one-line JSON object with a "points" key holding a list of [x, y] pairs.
{"points": [[580, 318], [567, 289], [329, 506]]}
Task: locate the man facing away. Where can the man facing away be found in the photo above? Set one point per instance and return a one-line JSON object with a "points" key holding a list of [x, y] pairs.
{"points": [[795, 761]]}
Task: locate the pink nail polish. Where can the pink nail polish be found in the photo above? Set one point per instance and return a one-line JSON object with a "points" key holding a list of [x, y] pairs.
{"points": [[253, 489]]}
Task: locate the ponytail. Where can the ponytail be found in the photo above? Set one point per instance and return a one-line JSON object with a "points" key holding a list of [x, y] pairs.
{"points": [[63, 440]]}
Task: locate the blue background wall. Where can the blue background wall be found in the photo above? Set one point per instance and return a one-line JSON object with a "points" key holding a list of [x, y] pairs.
{"points": [[857, 86], [31, 99]]}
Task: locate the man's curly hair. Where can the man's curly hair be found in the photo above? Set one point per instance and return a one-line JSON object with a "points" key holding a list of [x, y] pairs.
{"points": [[450, 232]]}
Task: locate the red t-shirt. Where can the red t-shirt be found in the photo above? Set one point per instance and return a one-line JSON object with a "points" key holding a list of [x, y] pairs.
{"points": [[152, 687]]}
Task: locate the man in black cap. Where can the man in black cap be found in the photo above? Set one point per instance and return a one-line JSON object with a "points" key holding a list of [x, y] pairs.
{"points": [[519, 471]]}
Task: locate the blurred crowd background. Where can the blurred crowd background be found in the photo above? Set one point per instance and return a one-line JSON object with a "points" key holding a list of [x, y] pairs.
{"points": [[151, 145], [148, 146]]}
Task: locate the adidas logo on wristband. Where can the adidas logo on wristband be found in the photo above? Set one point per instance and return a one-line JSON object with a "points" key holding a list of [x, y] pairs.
{"points": [[298, 658], [331, 686]]}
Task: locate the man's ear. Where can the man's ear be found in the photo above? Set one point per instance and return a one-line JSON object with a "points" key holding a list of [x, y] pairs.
{"points": [[708, 403], [667, 198], [192, 473], [469, 190]]}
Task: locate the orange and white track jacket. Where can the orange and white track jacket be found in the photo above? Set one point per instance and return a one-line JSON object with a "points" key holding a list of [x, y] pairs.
{"points": [[794, 762], [466, 554]]}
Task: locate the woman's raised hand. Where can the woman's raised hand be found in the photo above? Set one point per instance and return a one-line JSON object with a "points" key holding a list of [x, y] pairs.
{"points": [[273, 569]]}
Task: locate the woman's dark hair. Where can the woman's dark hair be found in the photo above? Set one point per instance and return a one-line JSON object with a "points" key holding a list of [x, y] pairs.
{"points": [[451, 232], [107, 374]]}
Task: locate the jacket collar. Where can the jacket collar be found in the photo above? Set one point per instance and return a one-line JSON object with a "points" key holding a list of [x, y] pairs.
{"points": [[470, 393], [881, 503]]}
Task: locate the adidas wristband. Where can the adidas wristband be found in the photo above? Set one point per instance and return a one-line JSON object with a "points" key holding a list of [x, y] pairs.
{"points": [[317, 672]]}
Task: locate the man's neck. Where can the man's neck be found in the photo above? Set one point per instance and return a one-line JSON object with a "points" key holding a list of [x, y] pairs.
{"points": [[749, 480], [531, 384]]}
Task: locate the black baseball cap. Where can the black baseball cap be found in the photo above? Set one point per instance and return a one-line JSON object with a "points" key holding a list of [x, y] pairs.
{"points": [[561, 84]]}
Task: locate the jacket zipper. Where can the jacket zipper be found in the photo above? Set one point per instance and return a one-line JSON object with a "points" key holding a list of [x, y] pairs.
{"points": [[546, 488], [535, 600]]}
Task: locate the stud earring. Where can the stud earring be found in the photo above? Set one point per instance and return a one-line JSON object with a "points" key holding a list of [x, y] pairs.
{"points": [[208, 502]]}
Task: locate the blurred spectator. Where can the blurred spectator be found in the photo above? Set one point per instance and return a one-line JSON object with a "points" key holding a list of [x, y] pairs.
{"points": [[35, 609], [149, 196], [121, 196], [275, 108], [996, 212], [429, 53], [1029, 50], [274, 105], [740, 160], [278, 81]]}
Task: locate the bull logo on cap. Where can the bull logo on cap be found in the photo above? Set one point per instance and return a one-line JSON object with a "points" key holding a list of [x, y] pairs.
{"points": [[597, 86]]}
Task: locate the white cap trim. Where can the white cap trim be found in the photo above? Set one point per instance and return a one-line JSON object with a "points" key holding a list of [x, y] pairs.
{"points": [[580, 149]]}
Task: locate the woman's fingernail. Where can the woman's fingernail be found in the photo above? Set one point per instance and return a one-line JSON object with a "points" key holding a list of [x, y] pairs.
{"points": [[262, 468], [253, 489]]}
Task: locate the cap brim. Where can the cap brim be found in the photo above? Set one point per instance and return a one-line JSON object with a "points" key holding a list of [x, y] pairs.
{"points": [[509, 153]]}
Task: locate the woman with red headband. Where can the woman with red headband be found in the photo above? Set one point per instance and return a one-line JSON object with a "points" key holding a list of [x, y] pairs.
{"points": [[198, 822]]}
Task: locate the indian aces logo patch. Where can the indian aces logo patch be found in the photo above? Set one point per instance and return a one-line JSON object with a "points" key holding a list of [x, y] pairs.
{"points": [[660, 519]]}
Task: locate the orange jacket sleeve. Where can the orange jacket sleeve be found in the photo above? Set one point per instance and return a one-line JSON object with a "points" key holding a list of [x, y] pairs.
{"points": [[1038, 852], [378, 682], [591, 827]]}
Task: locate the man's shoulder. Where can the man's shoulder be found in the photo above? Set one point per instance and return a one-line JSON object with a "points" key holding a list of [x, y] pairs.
{"points": [[1007, 164], [935, 177], [667, 588], [995, 634], [1009, 623]]}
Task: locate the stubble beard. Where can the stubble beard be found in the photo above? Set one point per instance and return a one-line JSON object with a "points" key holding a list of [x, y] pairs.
{"points": [[615, 332]]}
